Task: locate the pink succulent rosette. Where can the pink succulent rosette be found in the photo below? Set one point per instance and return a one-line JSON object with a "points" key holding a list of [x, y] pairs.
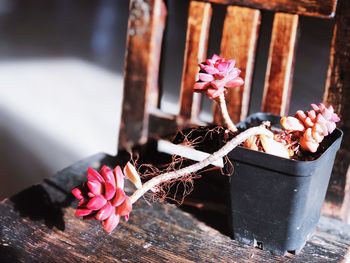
{"points": [[314, 125], [216, 75], [318, 122], [102, 197]]}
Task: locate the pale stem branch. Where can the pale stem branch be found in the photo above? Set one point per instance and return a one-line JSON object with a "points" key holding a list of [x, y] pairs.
{"points": [[228, 147], [223, 107]]}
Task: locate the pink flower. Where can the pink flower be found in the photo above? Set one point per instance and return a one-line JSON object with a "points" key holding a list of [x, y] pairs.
{"points": [[102, 197], [215, 75]]}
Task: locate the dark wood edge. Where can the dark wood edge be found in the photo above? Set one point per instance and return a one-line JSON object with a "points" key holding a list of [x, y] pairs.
{"points": [[322, 8], [337, 93]]}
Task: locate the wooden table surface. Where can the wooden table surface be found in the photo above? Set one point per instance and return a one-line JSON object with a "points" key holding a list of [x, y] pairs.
{"points": [[38, 225]]}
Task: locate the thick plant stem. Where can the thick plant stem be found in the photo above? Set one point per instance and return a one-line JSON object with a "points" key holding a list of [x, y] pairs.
{"points": [[228, 147], [230, 125]]}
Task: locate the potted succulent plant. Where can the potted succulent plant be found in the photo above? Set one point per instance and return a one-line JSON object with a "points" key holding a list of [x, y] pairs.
{"points": [[276, 198], [282, 169]]}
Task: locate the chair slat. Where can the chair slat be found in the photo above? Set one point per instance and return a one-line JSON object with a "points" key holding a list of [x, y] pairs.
{"points": [[321, 8], [239, 41], [198, 24], [145, 31], [279, 73]]}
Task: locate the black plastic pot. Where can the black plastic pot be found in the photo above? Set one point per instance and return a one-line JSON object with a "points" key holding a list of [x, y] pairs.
{"points": [[276, 202]]}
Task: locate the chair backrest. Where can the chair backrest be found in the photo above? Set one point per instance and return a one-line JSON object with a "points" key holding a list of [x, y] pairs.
{"points": [[141, 116]]}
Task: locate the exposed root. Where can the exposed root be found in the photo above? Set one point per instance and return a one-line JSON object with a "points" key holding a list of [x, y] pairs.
{"points": [[177, 189], [228, 168], [167, 177], [191, 139]]}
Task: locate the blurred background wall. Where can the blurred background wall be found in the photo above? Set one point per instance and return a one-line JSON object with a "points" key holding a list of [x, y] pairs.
{"points": [[61, 78]]}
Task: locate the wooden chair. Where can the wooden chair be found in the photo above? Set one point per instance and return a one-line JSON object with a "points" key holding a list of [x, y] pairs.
{"points": [[39, 223], [142, 118]]}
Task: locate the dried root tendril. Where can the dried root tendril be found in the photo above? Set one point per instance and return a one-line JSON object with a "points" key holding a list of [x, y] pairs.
{"points": [[177, 189]]}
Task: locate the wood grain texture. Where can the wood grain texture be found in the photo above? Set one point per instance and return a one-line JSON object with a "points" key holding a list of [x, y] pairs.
{"points": [[38, 225], [239, 40], [324, 8], [198, 24], [279, 72], [337, 93], [145, 32]]}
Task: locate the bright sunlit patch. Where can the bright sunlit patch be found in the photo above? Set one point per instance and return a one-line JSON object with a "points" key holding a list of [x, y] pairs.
{"points": [[74, 102], [54, 112]]}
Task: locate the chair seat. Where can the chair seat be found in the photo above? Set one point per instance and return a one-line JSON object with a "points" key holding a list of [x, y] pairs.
{"points": [[38, 224]]}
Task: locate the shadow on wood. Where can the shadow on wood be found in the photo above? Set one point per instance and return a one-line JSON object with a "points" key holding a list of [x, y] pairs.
{"points": [[36, 204], [9, 254]]}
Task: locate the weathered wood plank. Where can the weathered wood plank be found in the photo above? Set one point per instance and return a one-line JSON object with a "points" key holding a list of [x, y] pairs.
{"points": [[198, 24], [324, 8], [279, 73], [239, 39], [39, 225], [145, 32], [162, 125], [337, 93]]}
